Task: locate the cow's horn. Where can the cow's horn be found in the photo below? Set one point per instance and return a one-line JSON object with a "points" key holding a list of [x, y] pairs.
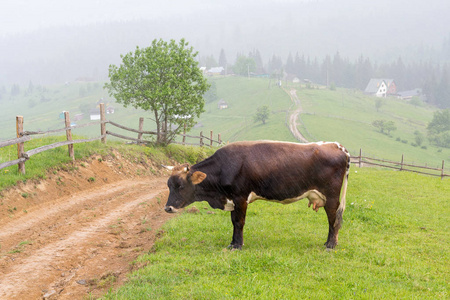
{"points": [[170, 168]]}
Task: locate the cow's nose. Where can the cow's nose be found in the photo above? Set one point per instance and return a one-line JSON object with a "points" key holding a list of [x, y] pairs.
{"points": [[170, 209]]}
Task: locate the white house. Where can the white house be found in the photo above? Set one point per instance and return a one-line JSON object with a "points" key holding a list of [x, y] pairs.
{"points": [[94, 114], [381, 87]]}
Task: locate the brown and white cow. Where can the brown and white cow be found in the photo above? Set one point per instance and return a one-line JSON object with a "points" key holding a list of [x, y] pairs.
{"points": [[242, 172]]}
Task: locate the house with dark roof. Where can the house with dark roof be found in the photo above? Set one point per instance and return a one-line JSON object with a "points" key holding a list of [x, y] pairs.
{"points": [[381, 87], [407, 95]]}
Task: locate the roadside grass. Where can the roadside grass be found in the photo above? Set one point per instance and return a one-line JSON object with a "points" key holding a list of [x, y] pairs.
{"points": [[393, 245], [38, 166]]}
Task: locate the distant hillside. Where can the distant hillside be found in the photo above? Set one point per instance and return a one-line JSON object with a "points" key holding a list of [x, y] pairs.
{"points": [[342, 115]]}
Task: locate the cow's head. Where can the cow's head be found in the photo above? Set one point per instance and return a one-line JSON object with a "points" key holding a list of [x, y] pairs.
{"points": [[182, 184]]}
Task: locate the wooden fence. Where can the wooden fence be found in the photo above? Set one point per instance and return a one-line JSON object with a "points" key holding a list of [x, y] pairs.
{"points": [[24, 136], [362, 161]]}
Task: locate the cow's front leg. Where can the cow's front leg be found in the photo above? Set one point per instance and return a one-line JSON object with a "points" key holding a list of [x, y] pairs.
{"points": [[330, 208], [238, 220]]}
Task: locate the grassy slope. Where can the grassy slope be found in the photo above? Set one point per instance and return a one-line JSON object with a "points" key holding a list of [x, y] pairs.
{"points": [[45, 115], [346, 116], [342, 115], [392, 246], [54, 159], [244, 96]]}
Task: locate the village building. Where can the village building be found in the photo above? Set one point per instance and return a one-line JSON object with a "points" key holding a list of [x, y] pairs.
{"points": [[380, 87], [222, 104], [408, 95], [94, 114], [215, 71]]}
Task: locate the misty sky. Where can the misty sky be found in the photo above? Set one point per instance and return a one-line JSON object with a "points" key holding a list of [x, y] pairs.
{"points": [[45, 40], [18, 16]]}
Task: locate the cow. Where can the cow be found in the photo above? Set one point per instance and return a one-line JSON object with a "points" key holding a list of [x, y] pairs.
{"points": [[243, 172]]}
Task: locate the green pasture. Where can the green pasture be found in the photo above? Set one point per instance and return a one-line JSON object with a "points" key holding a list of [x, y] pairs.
{"points": [[341, 115], [244, 96], [393, 245], [346, 116], [38, 166], [41, 110]]}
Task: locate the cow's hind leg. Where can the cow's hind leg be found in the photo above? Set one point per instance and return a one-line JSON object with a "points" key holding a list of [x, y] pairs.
{"points": [[238, 220], [331, 208]]}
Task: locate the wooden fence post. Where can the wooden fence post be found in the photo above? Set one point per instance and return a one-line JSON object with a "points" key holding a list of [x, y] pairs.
{"points": [[360, 157], [141, 128], [219, 139], [442, 172], [211, 139], [401, 164], [103, 124], [201, 138], [20, 146], [69, 134]]}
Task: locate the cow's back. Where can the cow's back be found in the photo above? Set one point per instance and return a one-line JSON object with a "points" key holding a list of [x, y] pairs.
{"points": [[280, 170]]}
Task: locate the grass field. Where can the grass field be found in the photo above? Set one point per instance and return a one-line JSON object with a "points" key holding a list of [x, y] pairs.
{"points": [[58, 158], [393, 245], [244, 96], [341, 115], [347, 116], [41, 109]]}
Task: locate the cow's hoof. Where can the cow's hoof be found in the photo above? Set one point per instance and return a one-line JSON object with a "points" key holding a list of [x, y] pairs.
{"points": [[234, 247], [330, 246]]}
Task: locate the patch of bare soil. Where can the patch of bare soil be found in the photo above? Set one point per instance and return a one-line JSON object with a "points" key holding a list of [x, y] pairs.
{"points": [[76, 234]]}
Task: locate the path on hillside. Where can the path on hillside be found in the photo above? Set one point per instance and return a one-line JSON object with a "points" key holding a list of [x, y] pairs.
{"points": [[71, 239], [294, 117]]}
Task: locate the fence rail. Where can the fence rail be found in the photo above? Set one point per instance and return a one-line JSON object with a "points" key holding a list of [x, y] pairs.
{"points": [[362, 160], [25, 136]]}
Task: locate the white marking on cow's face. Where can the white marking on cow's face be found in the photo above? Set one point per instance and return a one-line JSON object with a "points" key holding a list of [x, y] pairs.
{"points": [[316, 198], [229, 206]]}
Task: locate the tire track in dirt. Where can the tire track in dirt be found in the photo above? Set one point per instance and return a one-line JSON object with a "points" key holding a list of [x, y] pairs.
{"points": [[294, 117], [38, 216], [77, 241]]}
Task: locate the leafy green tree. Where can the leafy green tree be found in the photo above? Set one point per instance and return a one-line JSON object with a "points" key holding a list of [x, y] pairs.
{"points": [[439, 128], [419, 138], [262, 114], [244, 65], [165, 79], [416, 101], [390, 126], [384, 126]]}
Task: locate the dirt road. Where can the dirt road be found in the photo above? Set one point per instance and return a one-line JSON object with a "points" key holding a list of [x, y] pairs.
{"points": [[76, 233], [294, 116]]}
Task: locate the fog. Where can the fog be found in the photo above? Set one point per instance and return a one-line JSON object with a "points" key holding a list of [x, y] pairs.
{"points": [[50, 41]]}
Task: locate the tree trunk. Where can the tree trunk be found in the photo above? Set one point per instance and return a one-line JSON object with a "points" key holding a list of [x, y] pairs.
{"points": [[158, 128]]}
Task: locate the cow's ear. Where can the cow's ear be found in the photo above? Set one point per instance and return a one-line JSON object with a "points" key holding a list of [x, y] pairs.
{"points": [[198, 177]]}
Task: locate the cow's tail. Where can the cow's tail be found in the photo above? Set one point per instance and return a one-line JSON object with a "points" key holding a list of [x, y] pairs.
{"points": [[341, 208]]}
